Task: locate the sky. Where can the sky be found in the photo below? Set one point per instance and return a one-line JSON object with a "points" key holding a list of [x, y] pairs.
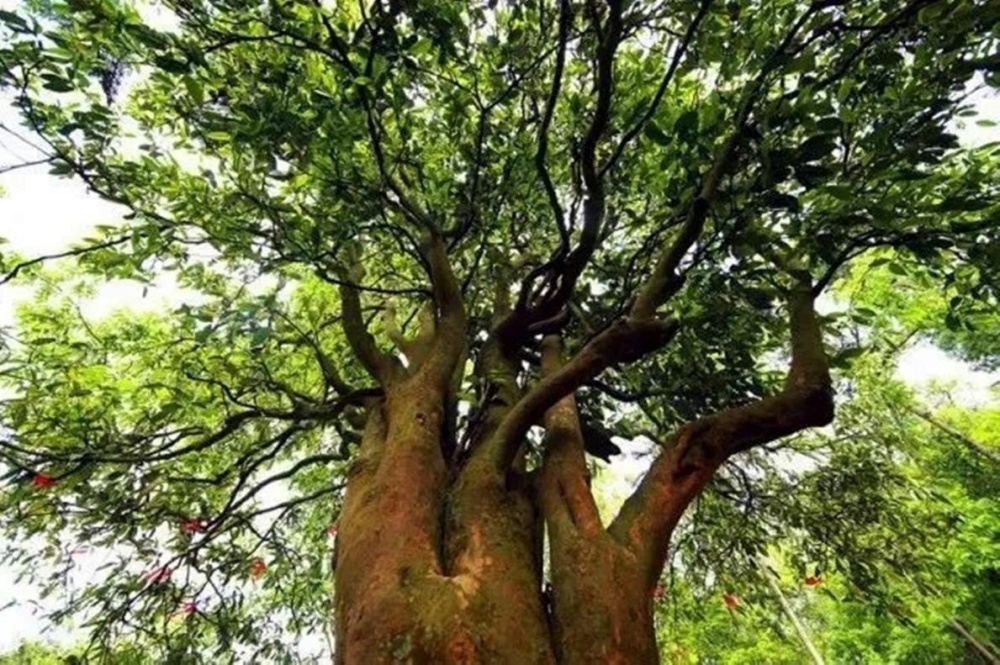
{"points": [[41, 214]]}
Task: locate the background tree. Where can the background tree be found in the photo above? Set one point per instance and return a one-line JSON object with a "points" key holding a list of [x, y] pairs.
{"points": [[434, 249]]}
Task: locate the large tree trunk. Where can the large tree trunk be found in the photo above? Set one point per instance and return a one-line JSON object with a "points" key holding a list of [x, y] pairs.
{"points": [[432, 573], [440, 549]]}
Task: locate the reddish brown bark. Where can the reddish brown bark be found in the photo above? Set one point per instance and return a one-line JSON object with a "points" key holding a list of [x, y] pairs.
{"points": [[439, 556], [598, 586]]}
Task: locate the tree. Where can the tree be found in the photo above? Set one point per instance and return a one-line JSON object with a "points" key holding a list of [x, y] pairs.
{"points": [[436, 249]]}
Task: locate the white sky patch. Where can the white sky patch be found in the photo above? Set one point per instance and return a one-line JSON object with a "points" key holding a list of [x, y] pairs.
{"points": [[979, 130], [939, 377]]}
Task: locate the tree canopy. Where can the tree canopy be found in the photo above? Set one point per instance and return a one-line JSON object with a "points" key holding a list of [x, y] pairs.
{"points": [[353, 194]]}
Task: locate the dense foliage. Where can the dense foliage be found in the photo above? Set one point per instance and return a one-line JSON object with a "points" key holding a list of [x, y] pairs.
{"points": [[336, 188]]}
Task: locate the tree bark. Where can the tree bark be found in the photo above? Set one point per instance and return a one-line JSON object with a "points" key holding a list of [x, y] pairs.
{"points": [[439, 556]]}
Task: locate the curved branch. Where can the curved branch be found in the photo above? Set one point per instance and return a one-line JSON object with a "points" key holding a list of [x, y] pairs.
{"points": [[625, 340], [381, 366], [649, 516], [565, 21], [605, 85], [79, 251]]}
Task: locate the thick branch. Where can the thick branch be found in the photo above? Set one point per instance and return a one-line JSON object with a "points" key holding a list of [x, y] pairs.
{"points": [[565, 488], [626, 340], [447, 293], [699, 448], [379, 365], [449, 336]]}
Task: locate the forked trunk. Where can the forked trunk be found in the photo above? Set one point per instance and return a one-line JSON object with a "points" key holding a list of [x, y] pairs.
{"points": [[446, 566], [435, 570], [440, 548]]}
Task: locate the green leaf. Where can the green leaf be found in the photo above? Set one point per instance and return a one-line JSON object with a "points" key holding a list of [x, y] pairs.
{"points": [[829, 124], [816, 147], [687, 123], [259, 337], [655, 134], [811, 175], [194, 89], [171, 64], [56, 83], [60, 168], [13, 21], [778, 200], [421, 47]]}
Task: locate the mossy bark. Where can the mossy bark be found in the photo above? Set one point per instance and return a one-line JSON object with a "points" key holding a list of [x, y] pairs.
{"points": [[427, 573], [440, 550], [433, 568]]}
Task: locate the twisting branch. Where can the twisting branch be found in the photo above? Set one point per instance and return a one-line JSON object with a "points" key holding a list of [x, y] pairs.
{"points": [[700, 447], [563, 270], [624, 341], [565, 22], [605, 84]]}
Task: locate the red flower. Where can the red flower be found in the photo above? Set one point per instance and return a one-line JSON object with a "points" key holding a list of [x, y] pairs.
{"points": [[193, 526], [332, 530], [813, 580], [257, 568], [158, 575], [659, 593], [732, 602], [40, 480]]}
